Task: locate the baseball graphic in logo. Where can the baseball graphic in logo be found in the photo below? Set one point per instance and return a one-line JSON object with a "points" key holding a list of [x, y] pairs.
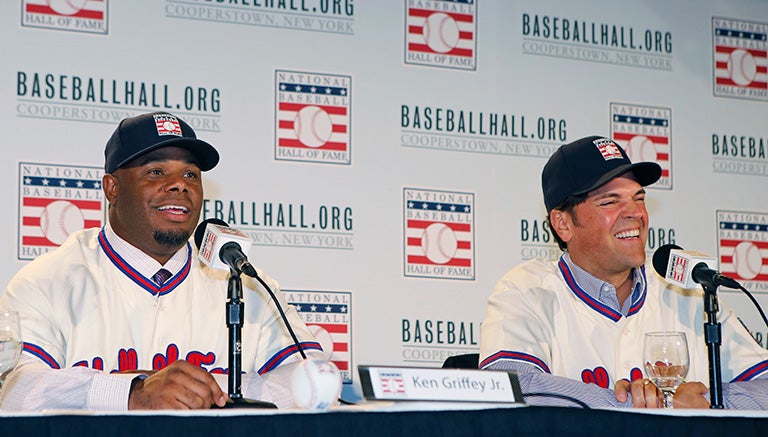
{"points": [[640, 148], [59, 219], [741, 67], [67, 7], [313, 117], [88, 16], [327, 314], [324, 338], [747, 260], [55, 201], [439, 234], [740, 56], [678, 267], [645, 133], [313, 126], [439, 243], [168, 126], [441, 32], [743, 247]]}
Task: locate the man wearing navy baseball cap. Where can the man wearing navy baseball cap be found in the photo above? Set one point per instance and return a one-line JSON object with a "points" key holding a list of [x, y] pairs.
{"points": [[131, 297], [136, 136], [575, 327]]}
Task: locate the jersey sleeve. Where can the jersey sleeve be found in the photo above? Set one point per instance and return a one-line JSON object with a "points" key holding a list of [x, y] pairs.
{"points": [[275, 346], [37, 314], [742, 358], [515, 327]]}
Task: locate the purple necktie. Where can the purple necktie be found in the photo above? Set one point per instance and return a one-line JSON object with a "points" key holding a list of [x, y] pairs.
{"points": [[161, 276]]}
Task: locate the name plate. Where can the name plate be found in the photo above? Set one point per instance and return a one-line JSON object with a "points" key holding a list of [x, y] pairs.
{"points": [[438, 384]]}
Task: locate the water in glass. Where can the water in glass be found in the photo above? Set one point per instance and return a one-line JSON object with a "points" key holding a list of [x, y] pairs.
{"points": [[666, 361]]}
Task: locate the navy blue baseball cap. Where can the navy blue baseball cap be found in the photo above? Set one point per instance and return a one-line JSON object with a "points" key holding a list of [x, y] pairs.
{"points": [[144, 133], [589, 163]]}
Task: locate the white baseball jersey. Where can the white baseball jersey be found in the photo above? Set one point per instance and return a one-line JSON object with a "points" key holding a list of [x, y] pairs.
{"points": [[83, 305], [538, 314]]}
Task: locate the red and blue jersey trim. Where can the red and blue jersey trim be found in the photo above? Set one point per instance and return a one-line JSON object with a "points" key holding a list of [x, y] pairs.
{"points": [[279, 357], [752, 372], [515, 356], [39, 352], [596, 304], [639, 303], [142, 281]]}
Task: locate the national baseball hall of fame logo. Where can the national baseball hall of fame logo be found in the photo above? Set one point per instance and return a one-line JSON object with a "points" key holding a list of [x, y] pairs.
{"points": [[441, 33], [645, 133], [327, 315], [743, 247], [740, 53], [392, 383], [88, 16], [54, 201], [312, 117], [439, 234]]}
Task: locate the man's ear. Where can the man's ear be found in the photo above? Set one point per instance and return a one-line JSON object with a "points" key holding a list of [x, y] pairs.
{"points": [[561, 222], [109, 186]]}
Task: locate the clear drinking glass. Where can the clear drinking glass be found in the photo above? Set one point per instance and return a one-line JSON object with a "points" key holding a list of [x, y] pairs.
{"points": [[666, 361], [10, 342]]}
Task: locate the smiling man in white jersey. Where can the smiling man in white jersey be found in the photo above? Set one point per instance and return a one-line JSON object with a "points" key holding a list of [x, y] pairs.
{"points": [[575, 326], [132, 298]]}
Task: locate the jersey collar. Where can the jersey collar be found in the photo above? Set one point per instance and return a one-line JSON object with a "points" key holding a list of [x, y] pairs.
{"points": [[592, 287], [142, 280]]}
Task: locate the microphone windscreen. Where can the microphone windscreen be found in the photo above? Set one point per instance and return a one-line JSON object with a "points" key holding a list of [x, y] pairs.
{"points": [[200, 231], [661, 258]]}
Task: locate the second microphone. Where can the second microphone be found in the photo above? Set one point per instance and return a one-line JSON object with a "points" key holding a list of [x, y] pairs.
{"points": [[221, 247]]}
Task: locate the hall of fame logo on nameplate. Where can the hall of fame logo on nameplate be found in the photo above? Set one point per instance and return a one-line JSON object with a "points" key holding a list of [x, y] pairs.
{"points": [[743, 247], [740, 56], [645, 133], [439, 238], [441, 33], [55, 201], [313, 117], [328, 316], [88, 16]]}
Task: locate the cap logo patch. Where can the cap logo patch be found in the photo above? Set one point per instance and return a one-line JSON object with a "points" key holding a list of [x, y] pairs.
{"points": [[608, 149], [167, 125]]}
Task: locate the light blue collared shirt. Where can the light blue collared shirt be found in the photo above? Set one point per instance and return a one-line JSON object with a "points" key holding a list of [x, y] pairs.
{"points": [[604, 292]]}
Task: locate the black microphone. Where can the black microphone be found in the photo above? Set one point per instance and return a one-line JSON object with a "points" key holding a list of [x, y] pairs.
{"points": [[220, 246], [685, 268], [215, 236]]}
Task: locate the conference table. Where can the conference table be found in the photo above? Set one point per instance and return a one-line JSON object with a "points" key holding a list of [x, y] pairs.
{"points": [[392, 419]]}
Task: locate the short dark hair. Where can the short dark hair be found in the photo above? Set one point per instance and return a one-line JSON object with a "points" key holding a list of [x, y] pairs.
{"points": [[567, 206]]}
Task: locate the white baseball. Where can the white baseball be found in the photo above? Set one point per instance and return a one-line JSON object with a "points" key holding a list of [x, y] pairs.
{"points": [[59, 219], [747, 260], [67, 7], [316, 384], [441, 32], [641, 148], [324, 338], [312, 126], [742, 67], [439, 243]]}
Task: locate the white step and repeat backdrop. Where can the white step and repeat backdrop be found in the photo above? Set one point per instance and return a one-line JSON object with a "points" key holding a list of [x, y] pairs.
{"points": [[386, 155]]}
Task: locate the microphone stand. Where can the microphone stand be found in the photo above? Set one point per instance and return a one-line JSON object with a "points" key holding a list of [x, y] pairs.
{"points": [[713, 338], [234, 317]]}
